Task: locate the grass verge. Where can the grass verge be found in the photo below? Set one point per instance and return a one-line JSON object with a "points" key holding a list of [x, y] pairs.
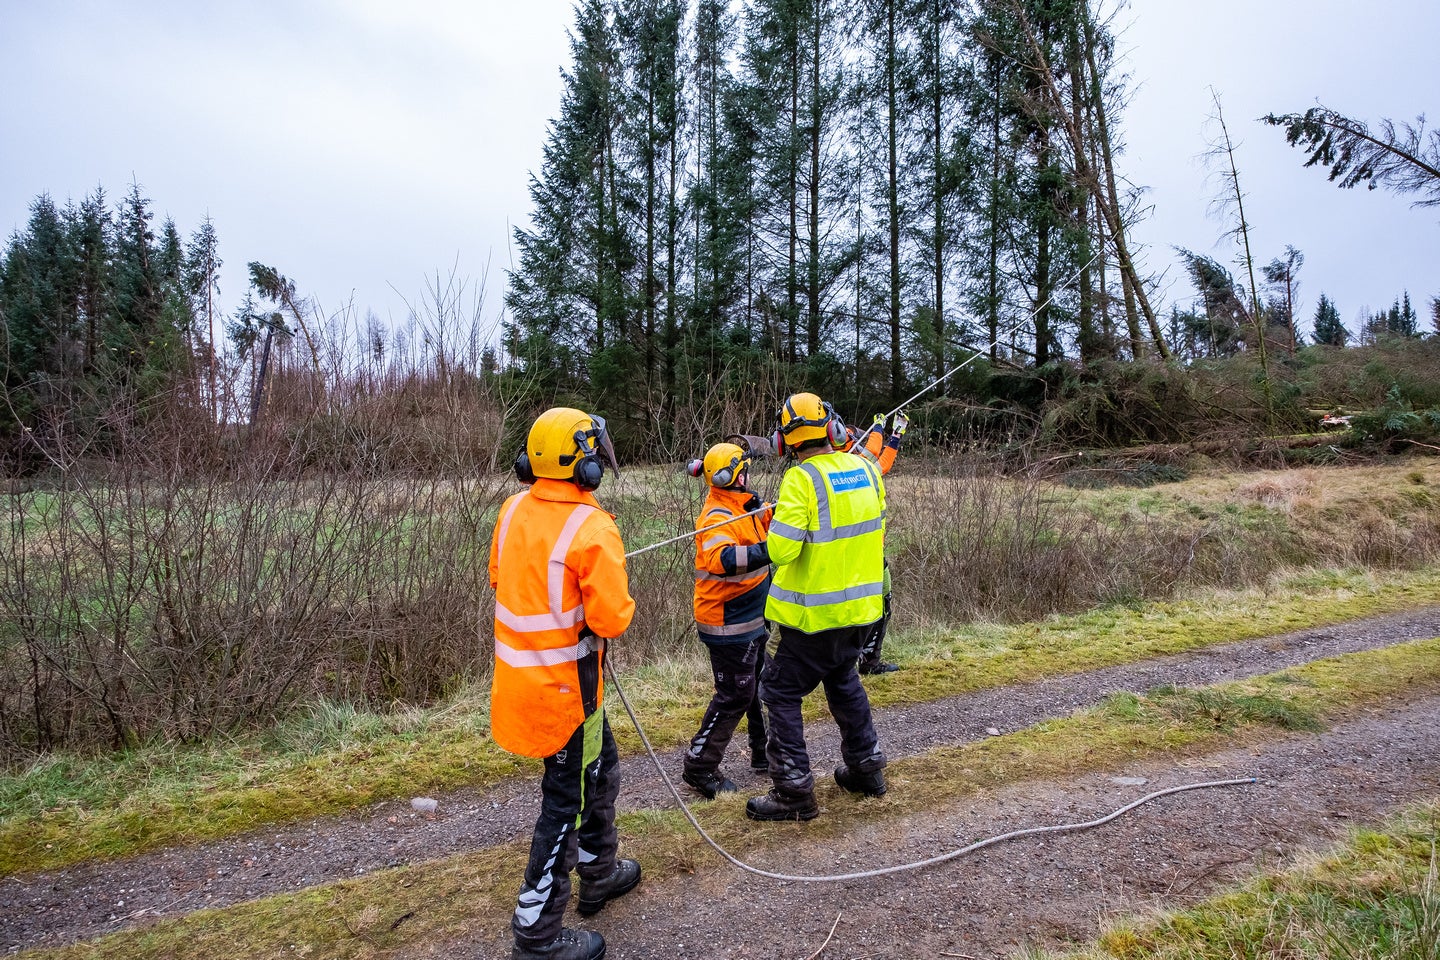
{"points": [[379, 915], [1374, 896], [68, 809]]}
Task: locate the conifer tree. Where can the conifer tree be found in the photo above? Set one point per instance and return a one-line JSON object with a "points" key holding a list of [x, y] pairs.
{"points": [[1329, 330], [571, 293]]}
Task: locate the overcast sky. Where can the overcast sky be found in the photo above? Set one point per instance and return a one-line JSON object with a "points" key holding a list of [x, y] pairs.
{"points": [[362, 146]]}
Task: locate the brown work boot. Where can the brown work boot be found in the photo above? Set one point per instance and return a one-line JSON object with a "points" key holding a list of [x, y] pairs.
{"points": [[782, 806], [569, 945], [594, 894], [870, 784]]}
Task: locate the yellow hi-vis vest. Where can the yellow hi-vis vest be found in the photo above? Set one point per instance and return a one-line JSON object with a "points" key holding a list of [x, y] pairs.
{"points": [[827, 542]]}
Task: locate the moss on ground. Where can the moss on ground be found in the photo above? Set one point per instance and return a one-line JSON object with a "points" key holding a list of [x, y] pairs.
{"points": [[1375, 895]]}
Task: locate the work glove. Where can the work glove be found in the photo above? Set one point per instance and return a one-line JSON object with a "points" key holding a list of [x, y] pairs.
{"points": [[899, 424]]}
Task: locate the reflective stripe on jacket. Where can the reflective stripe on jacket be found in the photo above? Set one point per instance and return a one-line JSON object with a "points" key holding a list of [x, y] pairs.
{"points": [[827, 541], [558, 568], [732, 569]]}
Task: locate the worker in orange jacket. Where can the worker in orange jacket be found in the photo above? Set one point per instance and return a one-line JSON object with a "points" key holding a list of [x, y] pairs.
{"points": [[732, 580], [880, 447], [557, 565]]}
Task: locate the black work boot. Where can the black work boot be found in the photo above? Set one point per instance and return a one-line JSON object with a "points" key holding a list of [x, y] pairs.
{"points": [[782, 806], [709, 783], [870, 784], [870, 667], [569, 945], [758, 762], [594, 894]]}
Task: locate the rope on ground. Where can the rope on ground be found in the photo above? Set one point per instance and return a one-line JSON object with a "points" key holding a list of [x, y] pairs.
{"points": [[904, 867]]}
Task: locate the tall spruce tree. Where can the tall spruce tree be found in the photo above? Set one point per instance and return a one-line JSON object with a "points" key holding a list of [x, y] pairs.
{"points": [[570, 295], [1329, 330]]}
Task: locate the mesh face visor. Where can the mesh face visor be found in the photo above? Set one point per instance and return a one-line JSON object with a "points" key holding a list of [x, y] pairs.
{"points": [[601, 445]]}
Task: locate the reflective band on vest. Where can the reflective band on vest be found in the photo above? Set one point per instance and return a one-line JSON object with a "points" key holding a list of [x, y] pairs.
{"points": [[547, 658], [557, 618], [833, 596], [739, 577], [732, 629]]}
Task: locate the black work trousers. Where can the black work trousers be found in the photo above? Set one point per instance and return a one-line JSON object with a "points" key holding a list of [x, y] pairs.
{"points": [[800, 663], [576, 829], [736, 667]]}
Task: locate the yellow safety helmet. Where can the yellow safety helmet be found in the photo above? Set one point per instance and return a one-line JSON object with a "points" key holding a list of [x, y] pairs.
{"points": [[724, 465], [806, 418], [567, 444]]}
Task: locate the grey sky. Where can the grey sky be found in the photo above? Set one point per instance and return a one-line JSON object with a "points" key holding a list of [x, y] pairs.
{"points": [[362, 146]]}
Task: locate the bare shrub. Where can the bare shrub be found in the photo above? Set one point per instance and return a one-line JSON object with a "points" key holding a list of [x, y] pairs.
{"points": [[976, 544]]}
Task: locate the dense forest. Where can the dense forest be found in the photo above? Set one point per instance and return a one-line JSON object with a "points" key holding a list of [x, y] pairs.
{"points": [[737, 200], [862, 193]]}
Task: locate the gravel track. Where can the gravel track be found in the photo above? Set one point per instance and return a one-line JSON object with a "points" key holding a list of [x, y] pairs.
{"points": [[87, 900]]}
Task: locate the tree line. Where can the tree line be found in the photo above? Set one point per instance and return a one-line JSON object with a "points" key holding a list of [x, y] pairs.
{"points": [[861, 192], [856, 194], [102, 314]]}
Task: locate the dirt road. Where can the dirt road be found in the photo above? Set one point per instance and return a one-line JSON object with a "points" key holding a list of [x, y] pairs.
{"points": [[1031, 890]]}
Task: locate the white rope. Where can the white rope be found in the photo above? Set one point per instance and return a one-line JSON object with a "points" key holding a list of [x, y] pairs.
{"points": [[904, 867], [695, 533], [979, 353]]}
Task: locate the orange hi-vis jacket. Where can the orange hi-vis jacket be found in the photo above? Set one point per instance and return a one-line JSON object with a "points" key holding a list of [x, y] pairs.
{"points": [[732, 568], [878, 449], [558, 568]]}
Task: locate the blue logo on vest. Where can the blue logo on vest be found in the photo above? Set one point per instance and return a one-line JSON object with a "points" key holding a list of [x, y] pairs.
{"points": [[849, 480]]}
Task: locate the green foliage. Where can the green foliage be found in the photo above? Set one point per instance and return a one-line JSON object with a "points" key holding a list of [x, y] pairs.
{"points": [[98, 323], [1395, 419], [1329, 330], [1403, 161]]}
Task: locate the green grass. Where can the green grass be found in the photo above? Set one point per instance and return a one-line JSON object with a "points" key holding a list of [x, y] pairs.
{"points": [[1373, 896], [67, 809], [379, 915]]}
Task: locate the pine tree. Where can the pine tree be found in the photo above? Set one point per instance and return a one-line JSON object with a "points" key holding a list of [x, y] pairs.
{"points": [[91, 230], [1280, 273], [570, 295], [202, 286], [135, 331], [1329, 330]]}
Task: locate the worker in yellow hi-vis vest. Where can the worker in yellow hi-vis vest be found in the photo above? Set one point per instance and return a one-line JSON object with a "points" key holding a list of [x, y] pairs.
{"points": [[827, 545]]}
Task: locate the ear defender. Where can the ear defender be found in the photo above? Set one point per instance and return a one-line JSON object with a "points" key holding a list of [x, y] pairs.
{"points": [[523, 471], [839, 437], [695, 467], [589, 472]]}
